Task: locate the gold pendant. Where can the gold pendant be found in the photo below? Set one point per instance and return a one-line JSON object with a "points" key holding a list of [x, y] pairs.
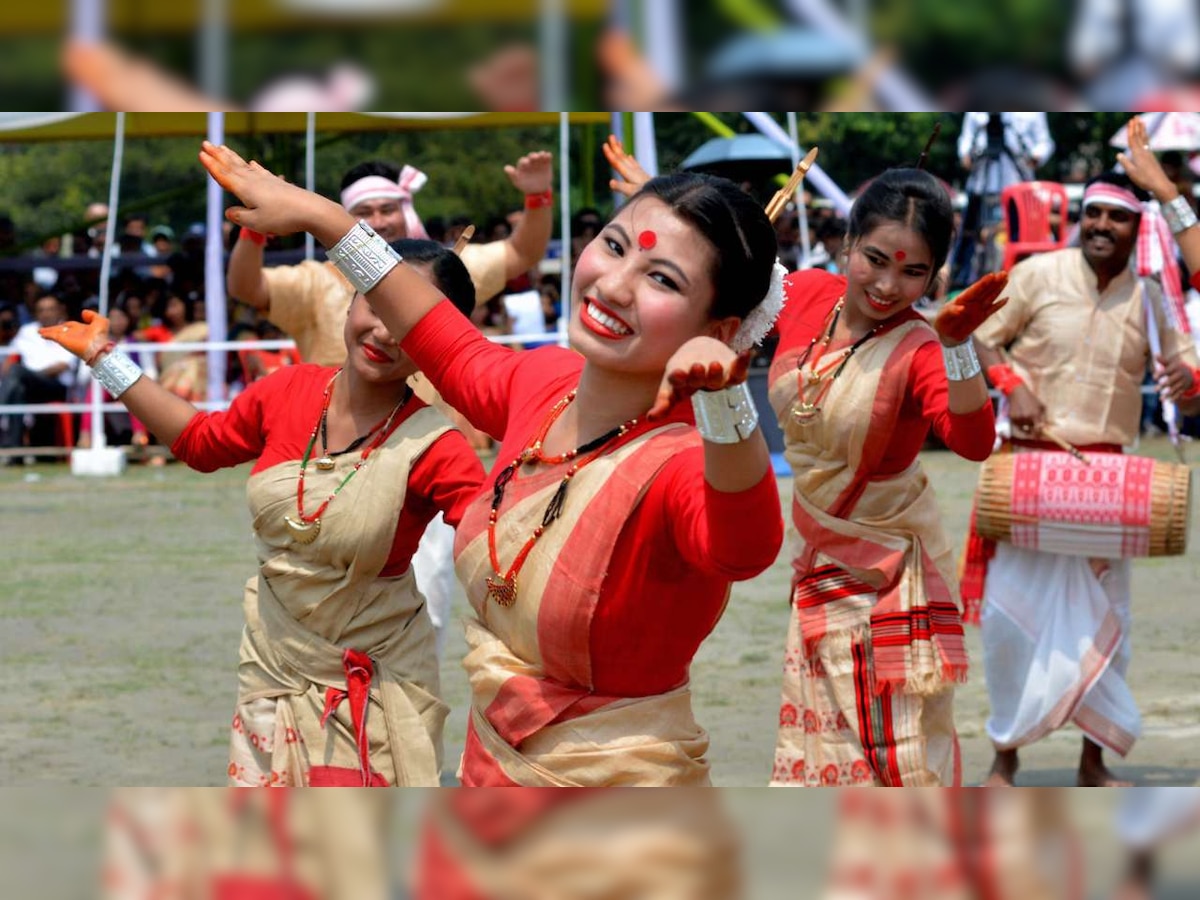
{"points": [[805, 412], [303, 532], [325, 463], [502, 589]]}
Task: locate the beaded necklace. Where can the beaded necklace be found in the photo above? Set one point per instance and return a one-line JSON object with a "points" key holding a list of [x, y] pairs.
{"points": [[808, 409], [305, 528], [503, 587]]}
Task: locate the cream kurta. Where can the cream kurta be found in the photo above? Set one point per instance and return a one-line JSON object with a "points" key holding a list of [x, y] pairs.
{"points": [[309, 300], [1083, 353]]}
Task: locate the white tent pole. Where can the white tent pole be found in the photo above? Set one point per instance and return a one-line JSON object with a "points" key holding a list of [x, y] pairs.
{"points": [[617, 124], [801, 209], [552, 37], [564, 202], [310, 170], [646, 150], [87, 25], [662, 27], [110, 230], [214, 49], [214, 269]]}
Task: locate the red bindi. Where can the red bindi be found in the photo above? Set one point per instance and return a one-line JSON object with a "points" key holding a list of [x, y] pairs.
{"points": [[901, 255], [647, 239]]}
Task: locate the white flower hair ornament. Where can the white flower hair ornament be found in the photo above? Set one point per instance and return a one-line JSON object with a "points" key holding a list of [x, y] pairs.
{"points": [[760, 320]]}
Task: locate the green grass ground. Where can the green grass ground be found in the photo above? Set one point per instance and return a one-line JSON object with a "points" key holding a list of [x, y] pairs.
{"points": [[120, 617]]}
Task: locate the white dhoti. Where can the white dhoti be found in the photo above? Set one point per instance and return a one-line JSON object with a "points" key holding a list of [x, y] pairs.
{"points": [[1056, 649], [1151, 815], [433, 567]]}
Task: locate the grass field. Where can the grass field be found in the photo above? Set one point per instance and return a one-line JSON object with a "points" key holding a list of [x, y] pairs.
{"points": [[121, 614]]}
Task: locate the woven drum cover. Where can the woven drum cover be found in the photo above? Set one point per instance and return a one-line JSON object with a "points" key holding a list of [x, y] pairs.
{"points": [[1114, 506]]}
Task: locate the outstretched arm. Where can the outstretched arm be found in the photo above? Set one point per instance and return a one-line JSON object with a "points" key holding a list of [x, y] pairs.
{"points": [[1143, 167], [533, 175], [706, 366], [164, 413], [244, 280], [272, 206]]}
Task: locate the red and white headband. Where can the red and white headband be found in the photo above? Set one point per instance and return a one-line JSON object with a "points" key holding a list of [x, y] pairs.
{"points": [[1112, 195], [376, 187]]}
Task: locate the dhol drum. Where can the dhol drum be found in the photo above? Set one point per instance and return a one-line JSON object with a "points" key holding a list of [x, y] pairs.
{"points": [[1114, 506]]}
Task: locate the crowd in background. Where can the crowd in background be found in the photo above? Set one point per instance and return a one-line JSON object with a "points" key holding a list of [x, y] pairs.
{"points": [[157, 295]]}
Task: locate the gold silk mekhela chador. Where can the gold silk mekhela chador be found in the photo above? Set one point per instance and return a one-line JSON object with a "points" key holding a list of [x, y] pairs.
{"points": [[535, 717], [875, 644], [312, 604]]}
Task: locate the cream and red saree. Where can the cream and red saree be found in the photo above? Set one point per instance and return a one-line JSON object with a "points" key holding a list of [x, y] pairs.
{"points": [[875, 642], [338, 678], [535, 719]]}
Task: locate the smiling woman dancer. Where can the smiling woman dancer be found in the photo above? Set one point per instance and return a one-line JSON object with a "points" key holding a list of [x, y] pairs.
{"points": [[338, 680], [875, 644], [602, 552]]}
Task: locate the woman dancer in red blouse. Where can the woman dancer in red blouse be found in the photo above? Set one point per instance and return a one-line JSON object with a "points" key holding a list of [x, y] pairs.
{"points": [[338, 679], [875, 643], [602, 552]]}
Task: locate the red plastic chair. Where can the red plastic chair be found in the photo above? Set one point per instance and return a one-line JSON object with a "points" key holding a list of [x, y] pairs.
{"points": [[1039, 211]]}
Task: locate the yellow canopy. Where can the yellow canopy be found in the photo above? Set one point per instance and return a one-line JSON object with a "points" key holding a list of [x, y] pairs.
{"points": [[23, 127]]}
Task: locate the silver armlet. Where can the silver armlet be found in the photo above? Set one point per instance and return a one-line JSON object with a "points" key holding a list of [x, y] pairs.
{"points": [[116, 373], [363, 257], [1179, 214], [961, 362], [726, 416]]}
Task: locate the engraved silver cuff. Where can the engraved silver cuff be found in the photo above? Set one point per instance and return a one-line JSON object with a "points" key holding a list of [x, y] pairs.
{"points": [[726, 416], [961, 362], [363, 257], [116, 373], [1179, 214]]}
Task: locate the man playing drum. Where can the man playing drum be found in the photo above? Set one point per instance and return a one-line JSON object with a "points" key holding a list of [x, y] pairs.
{"points": [[1070, 351]]}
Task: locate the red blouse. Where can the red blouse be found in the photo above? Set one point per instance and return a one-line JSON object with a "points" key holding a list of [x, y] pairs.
{"points": [[810, 295], [271, 422], [676, 554]]}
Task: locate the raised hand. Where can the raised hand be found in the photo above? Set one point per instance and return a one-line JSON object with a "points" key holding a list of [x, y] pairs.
{"points": [[86, 339], [961, 316], [533, 173], [1140, 163], [270, 204], [701, 364], [624, 165]]}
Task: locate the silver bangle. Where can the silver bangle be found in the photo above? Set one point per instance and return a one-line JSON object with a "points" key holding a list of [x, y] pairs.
{"points": [[1179, 214], [116, 373], [726, 416], [961, 362], [363, 257]]}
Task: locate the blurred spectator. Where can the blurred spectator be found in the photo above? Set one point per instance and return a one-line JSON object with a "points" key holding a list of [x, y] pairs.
{"points": [[162, 241], [43, 373], [831, 236], [996, 149], [9, 323], [96, 218], [787, 236], [585, 225], [550, 288], [259, 363], [187, 263]]}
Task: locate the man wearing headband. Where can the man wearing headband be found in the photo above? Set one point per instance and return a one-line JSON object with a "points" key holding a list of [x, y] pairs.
{"points": [[308, 301], [1070, 352]]}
